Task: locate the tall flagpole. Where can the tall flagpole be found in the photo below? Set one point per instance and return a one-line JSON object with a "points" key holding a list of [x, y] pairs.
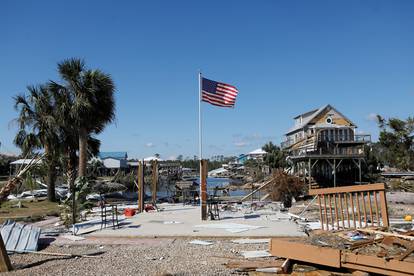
{"points": [[200, 142], [203, 163], [200, 138]]}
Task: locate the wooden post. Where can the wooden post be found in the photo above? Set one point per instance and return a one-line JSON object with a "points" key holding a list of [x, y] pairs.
{"points": [[154, 181], [334, 167], [360, 171], [384, 209], [140, 186], [5, 264], [203, 188]]}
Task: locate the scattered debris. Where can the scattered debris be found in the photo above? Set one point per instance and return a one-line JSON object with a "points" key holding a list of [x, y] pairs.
{"points": [[366, 250], [172, 222], [250, 241], [200, 242], [229, 227], [20, 237], [256, 254], [268, 270]]}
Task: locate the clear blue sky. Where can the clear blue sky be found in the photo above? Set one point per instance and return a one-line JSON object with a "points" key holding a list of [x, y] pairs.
{"points": [[286, 57]]}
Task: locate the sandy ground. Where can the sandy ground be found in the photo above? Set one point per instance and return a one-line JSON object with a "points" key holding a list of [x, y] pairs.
{"points": [[134, 256]]}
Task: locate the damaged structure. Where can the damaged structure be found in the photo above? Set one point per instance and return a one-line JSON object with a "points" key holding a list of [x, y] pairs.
{"points": [[322, 147]]}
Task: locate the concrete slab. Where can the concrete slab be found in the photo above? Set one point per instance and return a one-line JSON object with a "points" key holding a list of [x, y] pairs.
{"points": [[153, 225]]}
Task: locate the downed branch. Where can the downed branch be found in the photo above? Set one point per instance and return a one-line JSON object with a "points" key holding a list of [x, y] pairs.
{"points": [[18, 178], [284, 187]]}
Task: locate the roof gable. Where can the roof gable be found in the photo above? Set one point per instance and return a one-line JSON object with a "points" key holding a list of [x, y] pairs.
{"points": [[309, 117], [330, 111]]}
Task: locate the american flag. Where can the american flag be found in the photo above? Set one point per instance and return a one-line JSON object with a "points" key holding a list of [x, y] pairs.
{"points": [[218, 93]]}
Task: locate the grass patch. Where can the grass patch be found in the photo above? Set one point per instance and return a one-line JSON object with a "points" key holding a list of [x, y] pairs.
{"points": [[32, 210]]}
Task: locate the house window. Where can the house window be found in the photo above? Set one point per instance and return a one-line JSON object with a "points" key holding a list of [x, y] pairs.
{"points": [[329, 120]]}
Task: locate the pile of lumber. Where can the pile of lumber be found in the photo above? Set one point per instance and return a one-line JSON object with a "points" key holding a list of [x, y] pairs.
{"points": [[373, 250]]}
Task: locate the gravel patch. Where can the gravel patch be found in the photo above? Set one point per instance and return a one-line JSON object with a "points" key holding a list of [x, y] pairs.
{"points": [[164, 257]]}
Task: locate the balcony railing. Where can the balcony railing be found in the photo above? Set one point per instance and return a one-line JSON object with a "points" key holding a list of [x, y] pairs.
{"points": [[359, 138], [330, 151]]}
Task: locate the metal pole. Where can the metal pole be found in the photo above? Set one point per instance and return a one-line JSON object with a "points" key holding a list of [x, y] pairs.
{"points": [[200, 138]]}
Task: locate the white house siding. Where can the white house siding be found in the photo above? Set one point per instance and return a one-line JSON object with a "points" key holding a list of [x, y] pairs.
{"points": [[112, 163]]}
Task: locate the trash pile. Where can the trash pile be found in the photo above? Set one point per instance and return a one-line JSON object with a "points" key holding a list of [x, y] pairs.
{"points": [[369, 250]]}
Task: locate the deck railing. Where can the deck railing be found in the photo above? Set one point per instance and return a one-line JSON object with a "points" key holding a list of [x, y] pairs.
{"points": [[360, 138], [351, 151], [357, 205]]}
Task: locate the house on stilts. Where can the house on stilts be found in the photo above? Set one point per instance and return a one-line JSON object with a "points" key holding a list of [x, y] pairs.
{"points": [[323, 148]]}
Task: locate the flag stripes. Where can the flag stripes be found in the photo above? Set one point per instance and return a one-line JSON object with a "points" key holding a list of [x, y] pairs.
{"points": [[219, 94]]}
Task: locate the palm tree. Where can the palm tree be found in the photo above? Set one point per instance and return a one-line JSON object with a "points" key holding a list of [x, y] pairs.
{"points": [[38, 129], [93, 106], [69, 136]]}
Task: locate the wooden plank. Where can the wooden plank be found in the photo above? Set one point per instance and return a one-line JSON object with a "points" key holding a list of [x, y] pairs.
{"points": [[376, 209], [154, 181], [320, 211], [325, 212], [349, 189], [140, 187], [370, 209], [330, 211], [371, 263], [305, 252], [342, 211], [5, 264], [375, 270], [264, 185], [384, 209], [347, 210], [336, 211], [358, 209], [351, 197], [406, 253], [364, 209]]}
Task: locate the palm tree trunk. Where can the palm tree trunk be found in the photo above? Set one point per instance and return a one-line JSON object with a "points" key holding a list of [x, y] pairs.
{"points": [[51, 174], [83, 155], [71, 172], [51, 181]]}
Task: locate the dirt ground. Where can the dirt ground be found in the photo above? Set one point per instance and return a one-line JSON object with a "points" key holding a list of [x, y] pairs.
{"points": [[134, 257]]}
